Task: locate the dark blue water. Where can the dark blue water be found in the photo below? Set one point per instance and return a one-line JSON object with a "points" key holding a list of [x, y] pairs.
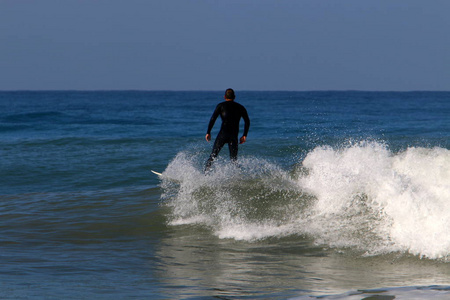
{"points": [[336, 192]]}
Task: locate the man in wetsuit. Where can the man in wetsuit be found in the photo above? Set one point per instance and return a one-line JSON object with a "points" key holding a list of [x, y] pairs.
{"points": [[231, 113]]}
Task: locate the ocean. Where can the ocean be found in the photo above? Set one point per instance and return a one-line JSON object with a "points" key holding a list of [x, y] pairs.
{"points": [[336, 195]]}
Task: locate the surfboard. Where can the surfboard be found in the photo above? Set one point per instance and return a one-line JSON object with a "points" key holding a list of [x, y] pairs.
{"points": [[157, 173], [161, 176]]}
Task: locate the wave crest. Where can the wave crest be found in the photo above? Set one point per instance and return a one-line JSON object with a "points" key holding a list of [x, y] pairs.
{"points": [[361, 196], [398, 202]]}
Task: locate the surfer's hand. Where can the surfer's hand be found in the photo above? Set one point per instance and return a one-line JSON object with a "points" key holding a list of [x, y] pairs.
{"points": [[243, 139], [208, 137]]}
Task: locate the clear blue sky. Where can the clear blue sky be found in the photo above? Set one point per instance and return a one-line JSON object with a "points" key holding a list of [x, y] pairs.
{"points": [[212, 45]]}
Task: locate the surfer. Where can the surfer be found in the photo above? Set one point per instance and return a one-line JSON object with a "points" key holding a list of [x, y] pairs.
{"points": [[231, 113]]}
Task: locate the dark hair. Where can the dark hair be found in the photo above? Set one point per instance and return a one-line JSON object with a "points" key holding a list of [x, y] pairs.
{"points": [[229, 94]]}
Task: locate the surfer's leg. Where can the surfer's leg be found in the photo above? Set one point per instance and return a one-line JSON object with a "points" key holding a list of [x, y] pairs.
{"points": [[233, 147], [218, 144]]}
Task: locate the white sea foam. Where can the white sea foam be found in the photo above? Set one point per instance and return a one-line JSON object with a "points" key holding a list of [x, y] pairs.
{"points": [[370, 198], [244, 203], [361, 196]]}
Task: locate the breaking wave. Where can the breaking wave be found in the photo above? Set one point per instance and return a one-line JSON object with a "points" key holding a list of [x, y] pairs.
{"points": [[360, 196]]}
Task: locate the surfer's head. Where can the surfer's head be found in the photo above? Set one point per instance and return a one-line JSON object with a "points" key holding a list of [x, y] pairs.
{"points": [[229, 94]]}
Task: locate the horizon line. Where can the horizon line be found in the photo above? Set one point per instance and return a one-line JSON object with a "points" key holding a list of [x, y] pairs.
{"points": [[217, 90]]}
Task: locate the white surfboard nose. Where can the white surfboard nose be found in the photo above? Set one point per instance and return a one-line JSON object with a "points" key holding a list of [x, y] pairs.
{"points": [[157, 173]]}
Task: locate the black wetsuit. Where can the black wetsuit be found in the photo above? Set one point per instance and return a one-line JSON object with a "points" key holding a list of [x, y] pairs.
{"points": [[231, 113]]}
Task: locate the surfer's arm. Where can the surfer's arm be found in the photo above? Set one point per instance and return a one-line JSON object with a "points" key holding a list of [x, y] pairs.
{"points": [[247, 124], [243, 138], [212, 121]]}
